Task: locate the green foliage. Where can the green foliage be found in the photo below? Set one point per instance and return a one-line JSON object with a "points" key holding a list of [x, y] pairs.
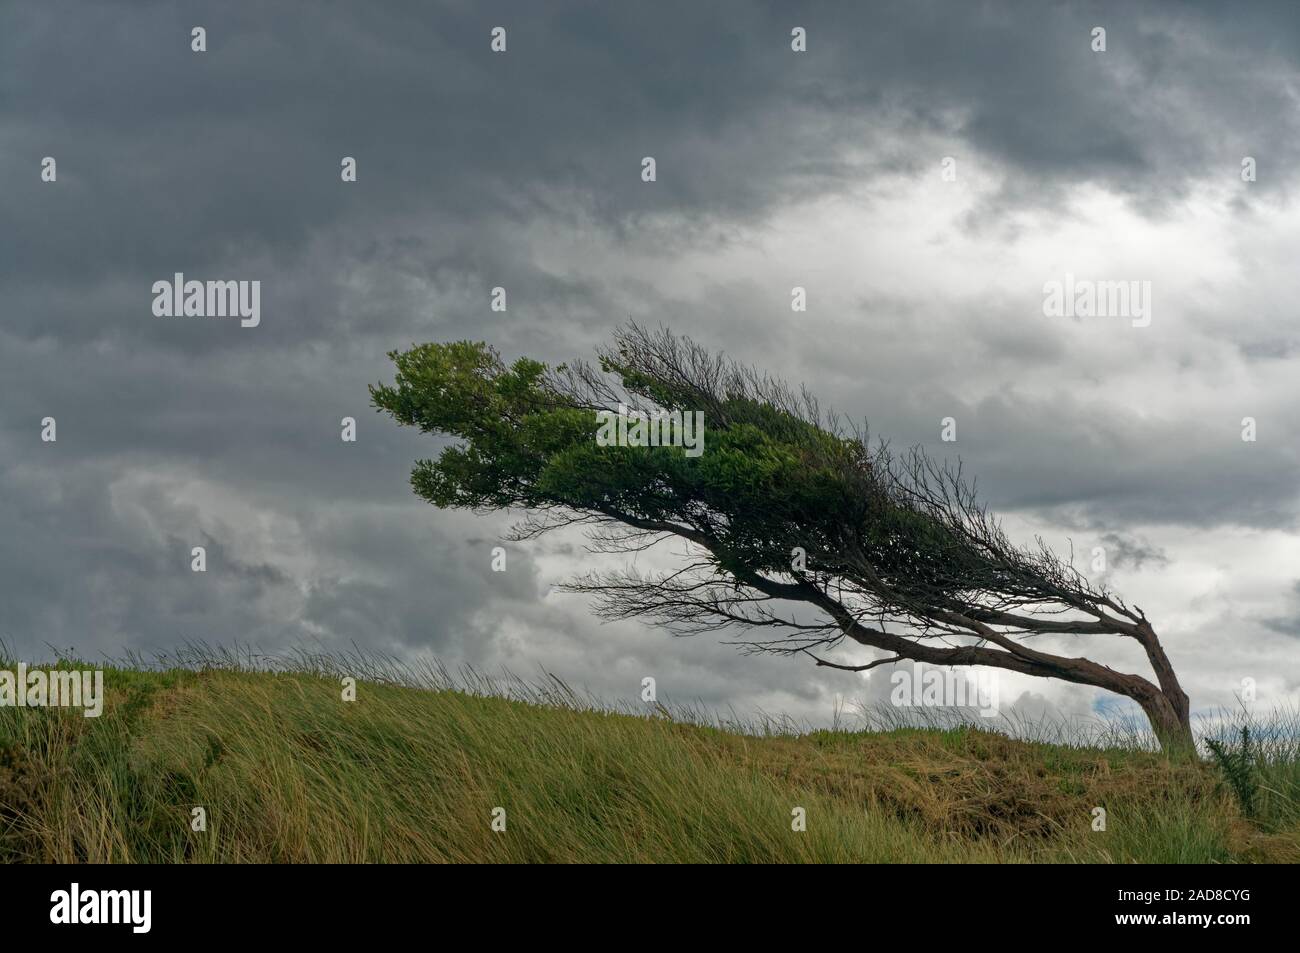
{"points": [[510, 425], [768, 479], [1238, 764]]}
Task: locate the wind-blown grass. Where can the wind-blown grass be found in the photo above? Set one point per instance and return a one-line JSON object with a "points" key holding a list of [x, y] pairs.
{"points": [[414, 768]]}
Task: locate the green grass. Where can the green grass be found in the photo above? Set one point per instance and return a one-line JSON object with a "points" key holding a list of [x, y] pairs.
{"points": [[288, 772]]}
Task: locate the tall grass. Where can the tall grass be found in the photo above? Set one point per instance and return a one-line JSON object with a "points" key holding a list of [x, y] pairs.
{"points": [[413, 770]]}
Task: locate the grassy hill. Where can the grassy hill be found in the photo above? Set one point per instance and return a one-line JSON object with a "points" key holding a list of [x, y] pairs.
{"points": [[288, 772]]}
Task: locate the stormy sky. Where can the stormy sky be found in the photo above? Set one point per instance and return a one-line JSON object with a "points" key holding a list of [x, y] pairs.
{"points": [[821, 169]]}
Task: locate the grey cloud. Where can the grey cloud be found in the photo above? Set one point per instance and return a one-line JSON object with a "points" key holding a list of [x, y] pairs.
{"points": [[1288, 624], [180, 432], [1123, 551]]}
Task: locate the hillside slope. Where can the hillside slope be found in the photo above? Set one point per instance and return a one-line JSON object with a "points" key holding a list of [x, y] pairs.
{"points": [[288, 772]]}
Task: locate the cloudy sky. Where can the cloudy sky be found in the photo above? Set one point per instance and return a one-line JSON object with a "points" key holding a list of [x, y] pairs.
{"points": [[821, 169]]}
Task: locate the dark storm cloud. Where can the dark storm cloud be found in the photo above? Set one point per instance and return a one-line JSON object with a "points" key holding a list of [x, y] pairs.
{"points": [[1288, 624], [1132, 551], [182, 432], [173, 160]]}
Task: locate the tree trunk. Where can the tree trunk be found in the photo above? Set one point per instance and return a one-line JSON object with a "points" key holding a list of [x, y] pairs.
{"points": [[1170, 720], [1170, 709]]}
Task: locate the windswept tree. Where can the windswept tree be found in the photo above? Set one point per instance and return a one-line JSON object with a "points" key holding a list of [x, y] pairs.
{"points": [[799, 531]]}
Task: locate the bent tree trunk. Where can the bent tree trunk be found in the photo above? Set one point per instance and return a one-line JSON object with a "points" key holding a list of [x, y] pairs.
{"points": [[1168, 709], [1170, 720], [1165, 704]]}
